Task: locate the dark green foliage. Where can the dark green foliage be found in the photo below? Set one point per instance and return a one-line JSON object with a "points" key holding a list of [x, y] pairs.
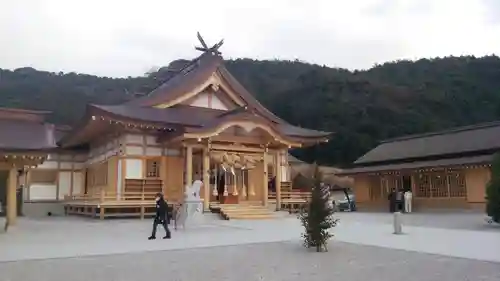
{"points": [[361, 107], [317, 217], [493, 191]]}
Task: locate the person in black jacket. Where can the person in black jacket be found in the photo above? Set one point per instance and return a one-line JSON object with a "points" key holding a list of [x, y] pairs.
{"points": [[392, 200], [160, 217]]}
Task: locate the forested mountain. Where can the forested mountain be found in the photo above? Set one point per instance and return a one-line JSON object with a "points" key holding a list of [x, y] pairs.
{"points": [[362, 107]]}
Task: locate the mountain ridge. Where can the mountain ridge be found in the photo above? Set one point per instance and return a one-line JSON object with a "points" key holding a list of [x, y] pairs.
{"points": [[363, 107]]}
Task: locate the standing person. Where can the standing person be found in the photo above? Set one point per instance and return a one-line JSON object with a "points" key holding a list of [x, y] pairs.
{"points": [[160, 217], [392, 200], [399, 200], [408, 196]]}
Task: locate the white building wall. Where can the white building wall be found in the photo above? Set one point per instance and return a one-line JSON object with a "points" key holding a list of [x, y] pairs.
{"points": [[207, 100], [217, 103], [42, 192], [64, 184]]}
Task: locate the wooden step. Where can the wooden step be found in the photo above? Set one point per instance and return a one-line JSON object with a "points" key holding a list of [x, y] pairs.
{"points": [[240, 212], [251, 217], [248, 210]]}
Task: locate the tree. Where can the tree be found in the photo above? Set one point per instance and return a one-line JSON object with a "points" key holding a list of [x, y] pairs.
{"points": [[493, 191], [317, 216]]}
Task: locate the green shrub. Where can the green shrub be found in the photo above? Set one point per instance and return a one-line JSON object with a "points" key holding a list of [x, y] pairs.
{"points": [[317, 217]]}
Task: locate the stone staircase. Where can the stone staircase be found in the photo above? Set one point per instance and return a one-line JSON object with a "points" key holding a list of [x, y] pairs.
{"points": [[251, 210]]}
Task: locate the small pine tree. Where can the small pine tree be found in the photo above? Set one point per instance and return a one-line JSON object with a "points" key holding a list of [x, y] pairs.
{"points": [[493, 191], [317, 216]]}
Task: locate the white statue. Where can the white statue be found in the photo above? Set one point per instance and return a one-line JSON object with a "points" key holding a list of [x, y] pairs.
{"points": [[195, 189], [192, 202]]}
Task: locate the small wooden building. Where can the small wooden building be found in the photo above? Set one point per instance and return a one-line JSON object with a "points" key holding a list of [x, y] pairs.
{"points": [[447, 169], [201, 123], [25, 142]]}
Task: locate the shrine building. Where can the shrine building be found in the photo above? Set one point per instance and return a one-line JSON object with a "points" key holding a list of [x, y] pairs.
{"points": [[200, 123], [446, 169]]}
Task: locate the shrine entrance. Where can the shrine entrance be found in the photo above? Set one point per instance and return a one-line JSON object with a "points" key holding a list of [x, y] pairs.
{"points": [[234, 177]]}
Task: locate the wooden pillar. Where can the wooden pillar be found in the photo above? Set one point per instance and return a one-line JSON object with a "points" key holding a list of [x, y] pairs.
{"points": [[278, 179], [189, 165], [206, 179], [163, 175], [12, 197], [266, 179]]}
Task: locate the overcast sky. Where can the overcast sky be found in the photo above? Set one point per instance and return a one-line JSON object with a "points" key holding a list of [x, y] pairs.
{"points": [[126, 38]]}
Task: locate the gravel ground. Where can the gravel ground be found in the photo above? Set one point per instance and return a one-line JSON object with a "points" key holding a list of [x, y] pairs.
{"points": [[446, 220], [285, 261]]}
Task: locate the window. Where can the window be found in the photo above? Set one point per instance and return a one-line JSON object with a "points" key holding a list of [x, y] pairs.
{"points": [[423, 186], [456, 180], [439, 185], [152, 168]]}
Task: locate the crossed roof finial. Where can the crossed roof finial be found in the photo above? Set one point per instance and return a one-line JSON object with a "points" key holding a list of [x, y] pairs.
{"points": [[204, 47]]}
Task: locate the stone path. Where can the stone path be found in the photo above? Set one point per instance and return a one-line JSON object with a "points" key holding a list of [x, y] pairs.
{"points": [[247, 250], [278, 261], [69, 237]]}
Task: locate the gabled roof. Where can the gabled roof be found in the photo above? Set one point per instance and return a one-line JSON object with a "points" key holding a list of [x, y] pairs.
{"points": [[469, 139], [439, 163], [198, 71], [294, 160], [162, 106], [193, 119], [21, 135], [185, 80]]}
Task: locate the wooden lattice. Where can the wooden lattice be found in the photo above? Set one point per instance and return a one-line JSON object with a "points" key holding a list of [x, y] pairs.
{"points": [[457, 184], [152, 168], [439, 186], [423, 185]]}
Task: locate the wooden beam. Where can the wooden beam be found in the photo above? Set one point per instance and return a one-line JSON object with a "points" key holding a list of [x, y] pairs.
{"points": [[278, 180], [12, 197], [57, 176], [265, 179], [206, 179], [189, 165]]}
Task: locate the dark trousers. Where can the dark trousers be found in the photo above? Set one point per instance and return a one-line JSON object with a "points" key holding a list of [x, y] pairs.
{"points": [[163, 222], [392, 206]]}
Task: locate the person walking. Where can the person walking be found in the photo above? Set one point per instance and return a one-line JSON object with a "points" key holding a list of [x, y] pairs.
{"points": [[160, 217]]}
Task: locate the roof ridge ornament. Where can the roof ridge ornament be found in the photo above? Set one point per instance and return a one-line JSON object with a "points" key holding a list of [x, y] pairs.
{"points": [[204, 47]]}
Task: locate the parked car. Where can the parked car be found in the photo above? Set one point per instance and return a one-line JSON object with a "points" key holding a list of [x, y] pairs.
{"points": [[344, 200]]}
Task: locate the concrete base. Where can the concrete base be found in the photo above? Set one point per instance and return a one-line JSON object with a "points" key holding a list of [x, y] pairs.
{"points": [[41, 209]]}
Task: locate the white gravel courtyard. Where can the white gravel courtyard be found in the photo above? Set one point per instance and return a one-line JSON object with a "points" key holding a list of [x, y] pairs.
{"points": [[56, 248]]}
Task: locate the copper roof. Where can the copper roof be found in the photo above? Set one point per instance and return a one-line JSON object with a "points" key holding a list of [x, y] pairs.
{"points": [[26, 135], [200, 118], [192, 75], [467, 139], [177, 115]]}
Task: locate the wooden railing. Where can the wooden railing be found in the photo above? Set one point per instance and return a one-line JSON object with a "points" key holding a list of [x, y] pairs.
{"points": [[111, 204], [291, 200], [104, 197]]}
